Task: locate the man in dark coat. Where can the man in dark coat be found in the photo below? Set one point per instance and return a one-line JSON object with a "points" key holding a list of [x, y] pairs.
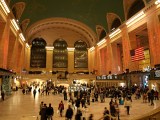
{"points": [[43, 112], [78, 115], [69, 113], [105, 113], [78, 102], [50, 112], [65, 95]]}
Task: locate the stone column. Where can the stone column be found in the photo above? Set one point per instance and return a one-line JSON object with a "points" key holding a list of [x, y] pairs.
{"points": [[126, 48], [153, 24], [4, 43]]}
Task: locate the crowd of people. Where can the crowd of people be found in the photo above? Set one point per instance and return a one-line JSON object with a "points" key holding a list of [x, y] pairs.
{"points": [[78, 101], [81, 100]]}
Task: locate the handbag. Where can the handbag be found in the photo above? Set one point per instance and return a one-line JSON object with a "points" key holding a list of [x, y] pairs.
{"points": [[57, 111]]}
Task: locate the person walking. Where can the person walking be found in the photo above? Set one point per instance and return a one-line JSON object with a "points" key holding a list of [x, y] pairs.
{"points": [[69, 113], [2, 94], [34, 93], [113, 110], [61, 108], [78, 114], [50, 112], [65, 95], [127, 104], [152, 98], [117, 109], [105, 114], [40, 107], [43, 112]]}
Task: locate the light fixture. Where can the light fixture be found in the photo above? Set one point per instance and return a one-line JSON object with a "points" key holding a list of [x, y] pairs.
{"points": [[15, 25], [134, 19], [92, 48], [70, 49], [4, 7], [114, 33], [22, 37], [27, 45], [101, 42], [157, 2], [49, 47]]}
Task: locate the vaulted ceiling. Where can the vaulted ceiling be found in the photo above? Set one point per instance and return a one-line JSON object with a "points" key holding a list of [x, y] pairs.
{"points": [[89, 12], [68, 19]]}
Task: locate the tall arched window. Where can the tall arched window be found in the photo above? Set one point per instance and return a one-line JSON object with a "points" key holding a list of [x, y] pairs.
{"points": [[115, 24], [60, 54], [38, 53], [102, 34], [80, 55], [136, 7]]}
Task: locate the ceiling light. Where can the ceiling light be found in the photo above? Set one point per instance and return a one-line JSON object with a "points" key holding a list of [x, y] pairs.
{"points": [[22, 37], [92, 48], [15, 25], [4, 7], [27, 45], [101, 42], [114, 33], [49, 47], [70, 49], [135, 19]]}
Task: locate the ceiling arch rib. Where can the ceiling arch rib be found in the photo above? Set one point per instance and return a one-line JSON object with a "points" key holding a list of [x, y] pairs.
{"points": [[18, 9], [63, 25], [100, 32], [110, 19], [24, 24], [128, 4]]}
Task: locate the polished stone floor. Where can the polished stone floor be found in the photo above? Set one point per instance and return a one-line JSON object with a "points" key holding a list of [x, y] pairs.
{"points": [[25, 107]]}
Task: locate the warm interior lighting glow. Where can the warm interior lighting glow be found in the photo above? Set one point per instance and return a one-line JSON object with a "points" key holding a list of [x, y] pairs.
{"points": [[15, 25], [27, 45], [157, 2], [22, 37], [114, 33], [70, 49], [49, 47], [101, 42], [92, 48], [4, 7], [135, 19]]}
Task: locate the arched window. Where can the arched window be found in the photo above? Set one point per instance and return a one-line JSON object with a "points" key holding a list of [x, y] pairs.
{"points": [[115, 24], [136, 7], [60, 54], [14, 12], [38, 53], [102, 34], [80, 55]]}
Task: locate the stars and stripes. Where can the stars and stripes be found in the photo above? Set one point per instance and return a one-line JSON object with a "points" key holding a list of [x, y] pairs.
{"points": [[137, 54]]}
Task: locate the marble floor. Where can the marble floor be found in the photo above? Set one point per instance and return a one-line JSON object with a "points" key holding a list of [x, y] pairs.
{"points": [[25, 107]]}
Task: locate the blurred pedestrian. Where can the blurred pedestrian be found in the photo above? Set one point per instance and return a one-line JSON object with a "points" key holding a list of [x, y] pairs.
{"points": [[61, 108]]}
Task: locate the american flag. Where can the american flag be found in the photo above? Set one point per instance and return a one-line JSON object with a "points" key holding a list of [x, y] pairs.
{"points": [[137, 54]]}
